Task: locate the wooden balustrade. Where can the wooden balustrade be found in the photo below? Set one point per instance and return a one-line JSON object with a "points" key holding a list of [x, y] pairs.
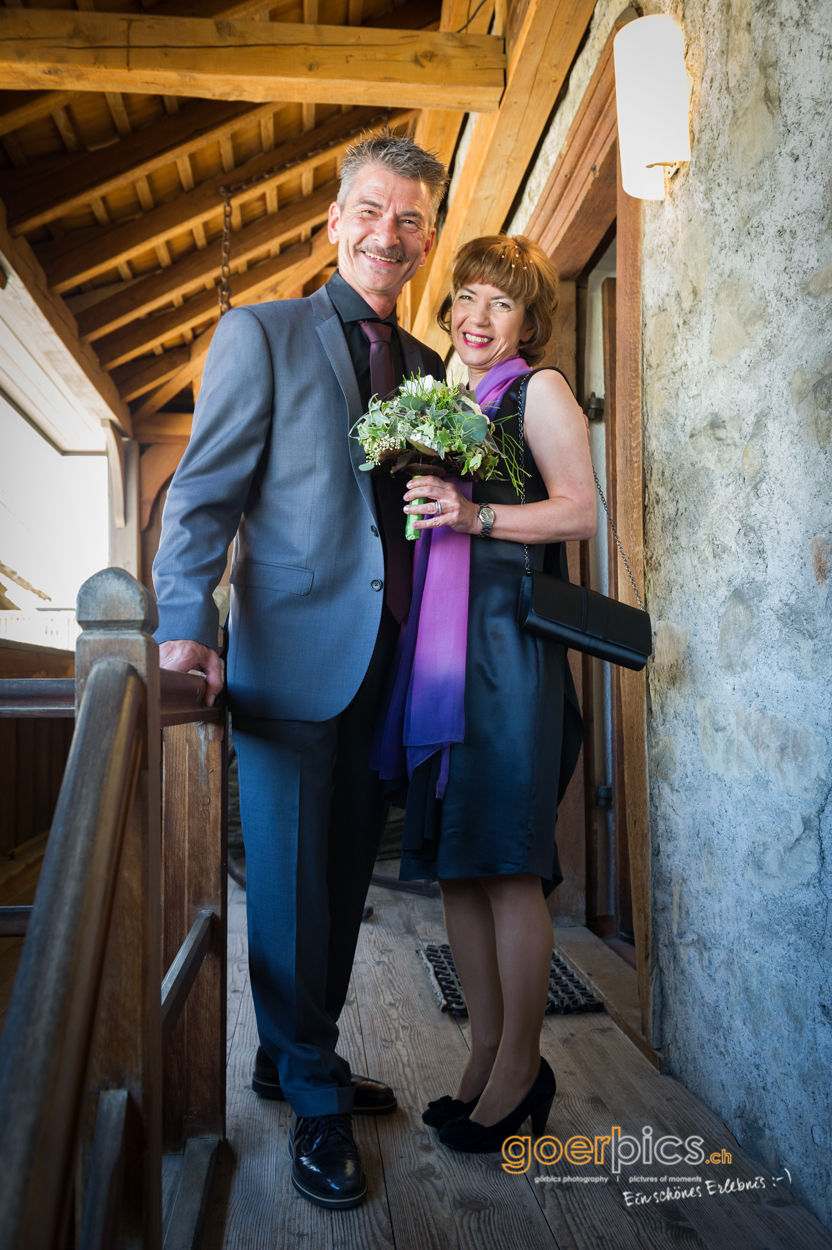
{"points": [[102, 1065]]}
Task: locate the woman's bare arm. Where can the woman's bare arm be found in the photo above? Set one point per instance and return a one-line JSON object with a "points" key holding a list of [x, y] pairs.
{"points": [[556, 434]]}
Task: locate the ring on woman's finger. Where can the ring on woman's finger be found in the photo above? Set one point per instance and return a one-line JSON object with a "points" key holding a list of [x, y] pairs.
{"points": [[438, 508]]}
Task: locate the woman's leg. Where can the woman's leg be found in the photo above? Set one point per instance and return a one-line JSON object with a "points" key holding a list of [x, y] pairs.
{"points": [[469, 923], [524, 942]]}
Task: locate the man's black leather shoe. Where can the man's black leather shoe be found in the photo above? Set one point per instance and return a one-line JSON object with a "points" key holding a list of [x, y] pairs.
{"points": [[371, 1097], [326, 1166]]}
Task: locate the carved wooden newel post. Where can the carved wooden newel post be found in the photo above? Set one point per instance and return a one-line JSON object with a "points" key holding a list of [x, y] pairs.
{"points": [[118, 617]]}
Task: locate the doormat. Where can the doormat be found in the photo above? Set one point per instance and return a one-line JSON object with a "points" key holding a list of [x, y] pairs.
{"points": [[568, 995]]}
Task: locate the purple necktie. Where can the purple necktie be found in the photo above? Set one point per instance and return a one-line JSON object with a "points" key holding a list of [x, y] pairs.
{"points": [[389, 491]]}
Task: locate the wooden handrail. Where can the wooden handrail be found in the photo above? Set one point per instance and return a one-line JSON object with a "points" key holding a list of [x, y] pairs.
{"points": [[181, 698], [37, 697], [14, 921], [99, 1071], [46, 1040], [182, 973], [99, 1225]]}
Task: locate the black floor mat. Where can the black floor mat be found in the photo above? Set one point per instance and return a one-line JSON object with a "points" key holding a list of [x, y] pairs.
{"points": [[568, 996]]}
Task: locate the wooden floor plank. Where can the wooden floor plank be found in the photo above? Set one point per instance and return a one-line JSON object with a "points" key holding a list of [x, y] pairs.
{"points": [[237, 960], [243, 1207], [596, 1215], [637, 1095], [423, 1197], [368, 1225], [414, 1044], [171, 1168]]}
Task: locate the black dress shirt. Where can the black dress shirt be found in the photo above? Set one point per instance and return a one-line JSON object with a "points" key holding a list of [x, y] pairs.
{"points": [[352, 309], [388, 492]]}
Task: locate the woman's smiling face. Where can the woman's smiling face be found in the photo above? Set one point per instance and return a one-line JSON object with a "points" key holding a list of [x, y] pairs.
{"points": [[487, 326]]}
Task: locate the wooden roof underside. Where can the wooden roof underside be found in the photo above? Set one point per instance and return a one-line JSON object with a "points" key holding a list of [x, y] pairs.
{"points": [[120, 123]]}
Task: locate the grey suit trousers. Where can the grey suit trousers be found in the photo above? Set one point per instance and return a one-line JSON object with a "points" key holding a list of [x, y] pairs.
{"points": [[313, 814]]}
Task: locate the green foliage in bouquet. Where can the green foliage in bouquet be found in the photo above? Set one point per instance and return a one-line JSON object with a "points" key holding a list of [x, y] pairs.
{"points": [[435, 422]]}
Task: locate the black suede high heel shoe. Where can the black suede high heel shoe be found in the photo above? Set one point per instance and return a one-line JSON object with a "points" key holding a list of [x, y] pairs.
{"points": [[481, 1139], [442, 1110]]}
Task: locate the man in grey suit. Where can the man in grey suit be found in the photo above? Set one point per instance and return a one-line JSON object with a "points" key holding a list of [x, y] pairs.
{"points": [[320, 584]]}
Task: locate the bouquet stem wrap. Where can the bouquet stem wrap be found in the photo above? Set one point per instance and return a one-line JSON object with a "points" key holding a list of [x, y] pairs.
{"points": [[410, 530]]}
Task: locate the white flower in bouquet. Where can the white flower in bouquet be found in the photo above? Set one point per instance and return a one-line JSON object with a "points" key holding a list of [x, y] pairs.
{"points": [[435, 423]]}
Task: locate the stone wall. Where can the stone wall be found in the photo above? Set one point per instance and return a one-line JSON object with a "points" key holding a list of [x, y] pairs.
{"points": [[737, 309], [737, 300]]}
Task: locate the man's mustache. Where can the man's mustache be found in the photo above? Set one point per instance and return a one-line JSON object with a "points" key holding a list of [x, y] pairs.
{"points": [[394, 253]]}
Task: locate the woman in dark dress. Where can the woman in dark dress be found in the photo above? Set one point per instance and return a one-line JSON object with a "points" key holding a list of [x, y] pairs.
{"points": [[481, 809]]}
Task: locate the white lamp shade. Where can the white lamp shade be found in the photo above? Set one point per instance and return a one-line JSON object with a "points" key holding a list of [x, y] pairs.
{"points": [[653, 101]]}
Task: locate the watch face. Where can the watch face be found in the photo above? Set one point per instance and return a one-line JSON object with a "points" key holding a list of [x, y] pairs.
{"points": [[487, 513]]}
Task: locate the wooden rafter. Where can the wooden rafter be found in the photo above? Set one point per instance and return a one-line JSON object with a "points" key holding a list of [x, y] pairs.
{"points": [[88, 253], [290, 269], [137, 377], [179, 380], [437, 130], [256, 61], [56, 187], [201, 267], [19, 108], [413, 15], [170, 427], [47, 328], [316, 256], [540, 55], [578, 203]]}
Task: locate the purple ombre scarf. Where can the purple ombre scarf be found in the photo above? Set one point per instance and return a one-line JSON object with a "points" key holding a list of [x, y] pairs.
{"points": [[424, 707]]}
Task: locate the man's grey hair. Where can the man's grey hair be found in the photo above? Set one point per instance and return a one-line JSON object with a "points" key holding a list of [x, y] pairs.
{"points": [[401, 156]]}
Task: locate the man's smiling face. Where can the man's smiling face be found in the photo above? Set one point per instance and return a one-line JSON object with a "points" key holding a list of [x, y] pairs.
{"points": [[383, 234]]}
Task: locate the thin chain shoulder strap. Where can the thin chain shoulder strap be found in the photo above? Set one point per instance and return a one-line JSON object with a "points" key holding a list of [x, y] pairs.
{"points": [[523, 387]]}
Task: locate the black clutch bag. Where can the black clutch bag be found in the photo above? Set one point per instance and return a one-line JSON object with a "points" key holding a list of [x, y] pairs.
{"points": [[575, 617]]}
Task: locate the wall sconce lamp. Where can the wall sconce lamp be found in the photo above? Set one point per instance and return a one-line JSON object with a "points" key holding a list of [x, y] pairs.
{"points": [[653, 101]]}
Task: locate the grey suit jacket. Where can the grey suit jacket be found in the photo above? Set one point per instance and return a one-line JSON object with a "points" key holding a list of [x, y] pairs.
{"points": [[270, 459]]}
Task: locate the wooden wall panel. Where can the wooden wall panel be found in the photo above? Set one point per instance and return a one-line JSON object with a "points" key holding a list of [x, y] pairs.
{"points": [[629, 498]]}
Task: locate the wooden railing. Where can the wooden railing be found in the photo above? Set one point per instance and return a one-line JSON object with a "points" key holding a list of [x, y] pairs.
{"points": [[103, 1065]]}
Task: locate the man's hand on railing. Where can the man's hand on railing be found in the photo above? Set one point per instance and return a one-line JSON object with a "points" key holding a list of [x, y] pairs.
{"points": [[184, 656]]}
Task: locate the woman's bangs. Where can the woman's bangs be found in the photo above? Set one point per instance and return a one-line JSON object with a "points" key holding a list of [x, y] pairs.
{"points": [[501, 267]]}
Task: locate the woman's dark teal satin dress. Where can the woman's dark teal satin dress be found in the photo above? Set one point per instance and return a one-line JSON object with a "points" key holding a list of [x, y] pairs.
{"points": [[523, 727]]}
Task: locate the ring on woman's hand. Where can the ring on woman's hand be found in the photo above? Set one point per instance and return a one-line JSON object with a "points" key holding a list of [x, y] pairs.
{"points": [[438, 508]]}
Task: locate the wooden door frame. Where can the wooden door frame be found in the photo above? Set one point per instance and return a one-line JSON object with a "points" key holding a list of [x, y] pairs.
{"points": [[582, 198]]}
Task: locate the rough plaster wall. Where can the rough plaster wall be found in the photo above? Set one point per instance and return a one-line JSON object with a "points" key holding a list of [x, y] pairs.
{"points": [[738, 472]]}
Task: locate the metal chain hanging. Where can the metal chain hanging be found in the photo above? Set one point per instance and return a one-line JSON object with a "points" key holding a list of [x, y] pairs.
{"points": [[618, 541], [227, 193]]}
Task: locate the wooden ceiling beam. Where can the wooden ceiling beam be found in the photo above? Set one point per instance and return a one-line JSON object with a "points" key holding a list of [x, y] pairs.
{"points": [[180, 379], [87, 253], [19, 108], [138, 377], [199, 267], [258, 61], [413, 15], [165, 427], [579, 202], [249, 287], [437, 130], [45, 360], [38, 194], [243, 10], [542, 38]]}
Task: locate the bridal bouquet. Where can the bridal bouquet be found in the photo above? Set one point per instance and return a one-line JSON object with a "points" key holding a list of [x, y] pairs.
{"points": [[434, 427]]}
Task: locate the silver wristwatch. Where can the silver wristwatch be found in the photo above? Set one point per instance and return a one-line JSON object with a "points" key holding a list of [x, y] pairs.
{"points": [[486, 515]]}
